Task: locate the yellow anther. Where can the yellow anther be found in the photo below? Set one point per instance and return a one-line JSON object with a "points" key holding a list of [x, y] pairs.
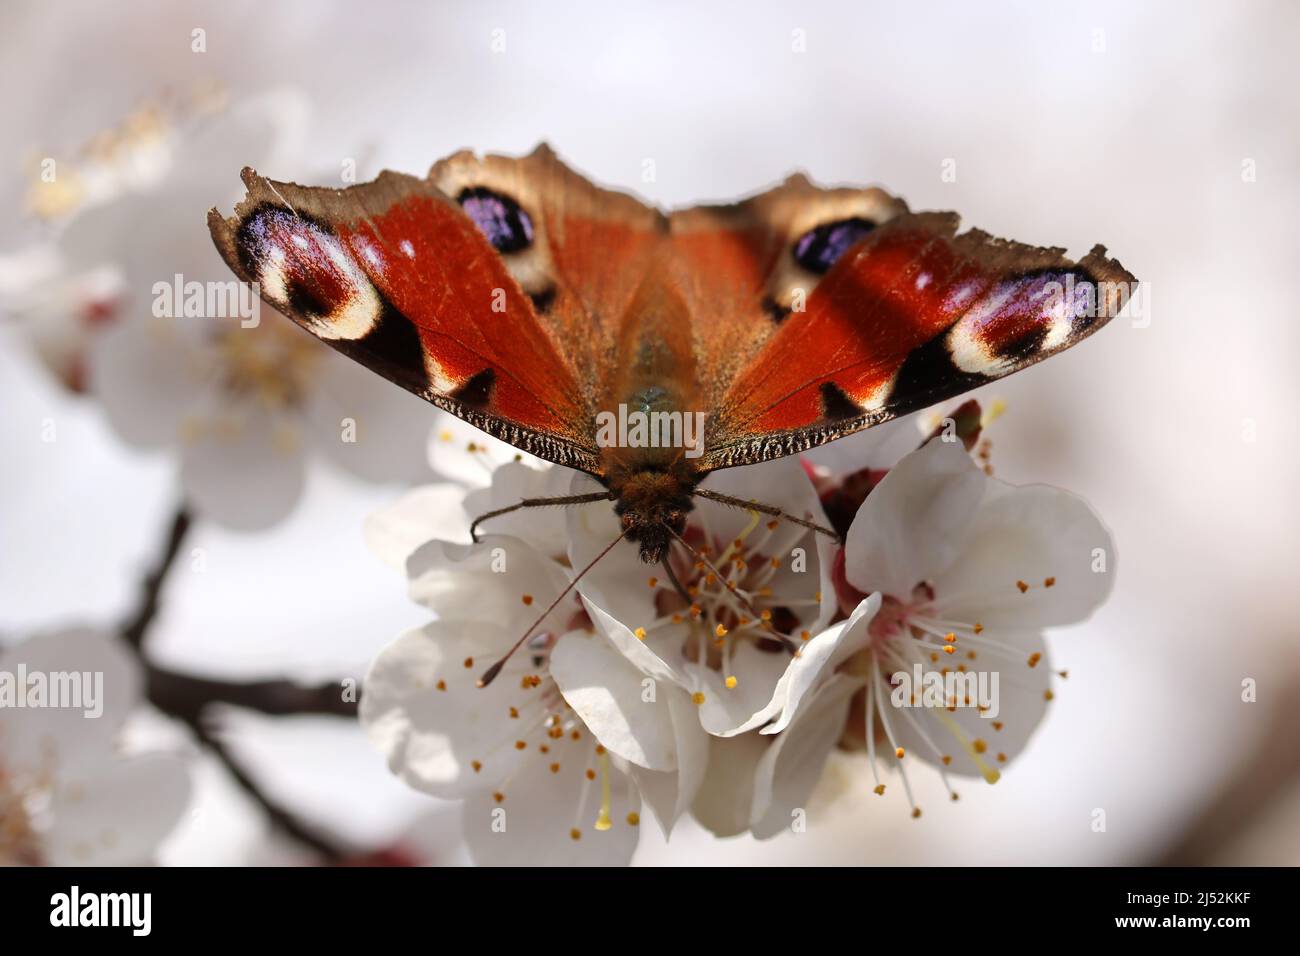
{"points": [[698, 697], [731, 682]]}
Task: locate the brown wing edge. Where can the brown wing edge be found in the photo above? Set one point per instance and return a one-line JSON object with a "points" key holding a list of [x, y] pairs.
{"points": [[260, 190]]}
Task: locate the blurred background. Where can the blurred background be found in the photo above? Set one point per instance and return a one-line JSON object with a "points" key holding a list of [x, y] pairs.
{"points": [[1168, 131]]}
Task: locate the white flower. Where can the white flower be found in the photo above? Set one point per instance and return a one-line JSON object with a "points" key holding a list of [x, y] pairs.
{"points": [[537, 786], [964, 572], [757, 588], [66, 796], [242, 402]]}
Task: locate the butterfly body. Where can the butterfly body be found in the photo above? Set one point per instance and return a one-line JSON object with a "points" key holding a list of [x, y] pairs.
{"points": [[543, 309]]}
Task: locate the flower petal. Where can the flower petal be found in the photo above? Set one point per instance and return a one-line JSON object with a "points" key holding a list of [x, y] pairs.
{"points": [[669, 794], [610, 695], [498, 577], [116, 812], [441, 733], [909, 527], [432, 511], [549, 818], [788, 772], [1029, 535], [32, 738], [979, 745], [725, 800], [818, 660]]}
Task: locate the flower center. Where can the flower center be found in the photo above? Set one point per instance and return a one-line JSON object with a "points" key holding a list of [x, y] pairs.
{"points": [[271, 364], [725, 594]]}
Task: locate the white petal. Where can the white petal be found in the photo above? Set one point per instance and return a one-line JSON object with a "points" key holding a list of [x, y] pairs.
{"points": [[371, 427], [105, 670], [434, 737], [909, 527], [245, 469], [790, 769], [461, 453], [147, 374], [543, 528], [419, 516], [669, 794], [116, 812], [1021, 706], [534, 825], [1029, 534], [818, 661], [498, 577], [725, 800], [609, 693], [728, 711]]}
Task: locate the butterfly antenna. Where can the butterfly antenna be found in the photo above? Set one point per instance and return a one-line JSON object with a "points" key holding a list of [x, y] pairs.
{"points": [[764, 509], [745, 602], [538, 503], [491, 673]]}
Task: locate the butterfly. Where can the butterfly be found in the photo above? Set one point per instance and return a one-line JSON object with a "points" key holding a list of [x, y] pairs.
{"points": [[534, 304]]}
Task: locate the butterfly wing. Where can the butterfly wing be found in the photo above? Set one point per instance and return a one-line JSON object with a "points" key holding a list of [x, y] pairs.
{"points": [[906, 313], [486, 289]]}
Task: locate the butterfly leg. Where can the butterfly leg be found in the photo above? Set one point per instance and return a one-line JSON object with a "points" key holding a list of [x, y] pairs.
{"points": [[762, 509], [539, 503]]}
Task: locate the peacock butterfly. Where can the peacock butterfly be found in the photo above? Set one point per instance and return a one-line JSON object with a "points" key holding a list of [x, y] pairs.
{"points": [[532, 303]]}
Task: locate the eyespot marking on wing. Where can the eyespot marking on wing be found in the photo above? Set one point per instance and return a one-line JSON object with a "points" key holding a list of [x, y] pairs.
{"points": [[499, 217], [822, 246], [1008, 321], [302, 267]]}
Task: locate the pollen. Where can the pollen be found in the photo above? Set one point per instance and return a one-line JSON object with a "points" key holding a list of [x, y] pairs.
{"points": [[979, 628], [878, 789], [950, 637], [766, 615], [1048, 695], [979, 745], [575, 834], [1002, 758], [997, 725], [1023, 586], [946, 760], [527, 599], [1048, 582], [575, 735], [776, 562], [469, 662], [698, 697], [633, 819], [696, 610], [899, 753], [949, 649], [653, 582], [720, 631], [441, 685], [773, 525], [499, 797], [731, 682], [520, 745], [591, 774], [476, 765], [805, 635], [555, 768], [1034, 658], [640, 633], [514, 713], [916, 813], [677, 619], [600, 749]]}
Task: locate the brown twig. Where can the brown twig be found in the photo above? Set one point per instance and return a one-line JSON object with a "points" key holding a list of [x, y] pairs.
{"points": [[188, 698]]}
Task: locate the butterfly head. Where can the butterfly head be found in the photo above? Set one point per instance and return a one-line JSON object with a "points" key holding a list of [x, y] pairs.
{"points": [[653, 506]]}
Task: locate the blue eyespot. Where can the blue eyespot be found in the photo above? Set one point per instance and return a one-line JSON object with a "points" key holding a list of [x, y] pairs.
{"points": [[820, 248], [498, 217]]}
